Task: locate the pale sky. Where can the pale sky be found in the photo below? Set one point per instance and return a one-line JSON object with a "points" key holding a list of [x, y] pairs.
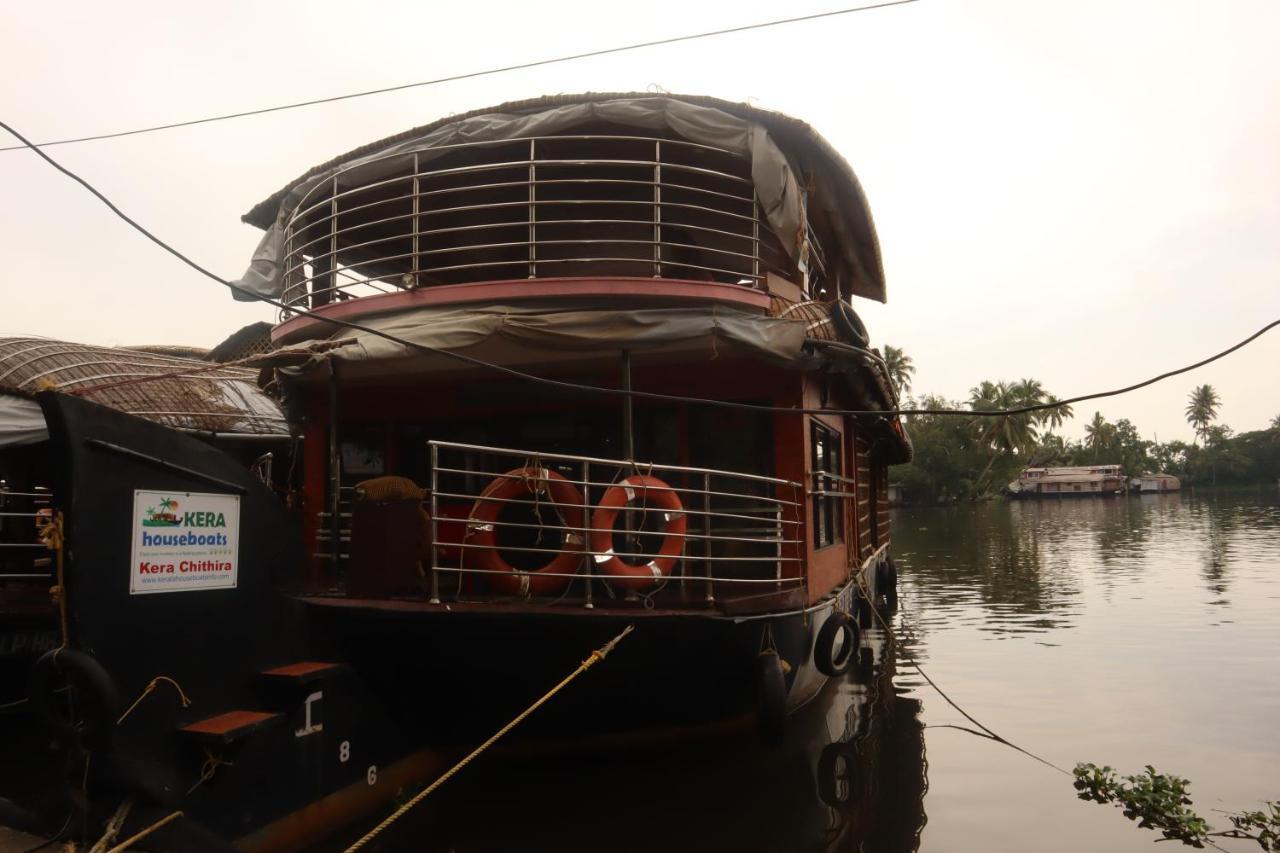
{"points": [[1085, 192]]}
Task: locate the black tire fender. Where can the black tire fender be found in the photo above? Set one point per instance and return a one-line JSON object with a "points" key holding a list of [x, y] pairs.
{"points": [[97, 697], [838, 764], [825, 657], [771, 697], [849, 324]]}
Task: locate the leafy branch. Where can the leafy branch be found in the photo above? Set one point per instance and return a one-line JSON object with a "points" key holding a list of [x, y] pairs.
{"points": [[1162, 802]]}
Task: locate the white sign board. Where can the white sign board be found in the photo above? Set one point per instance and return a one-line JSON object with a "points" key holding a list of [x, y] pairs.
{"points": [[184, 541]]}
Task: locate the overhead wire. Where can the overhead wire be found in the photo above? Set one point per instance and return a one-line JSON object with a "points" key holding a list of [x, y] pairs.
{"points": [[453, 78], [603, 390]]}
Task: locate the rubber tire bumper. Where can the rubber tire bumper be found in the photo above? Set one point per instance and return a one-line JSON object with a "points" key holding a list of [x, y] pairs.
{"points": [[98, 699], [824, 646], [849, 324]]}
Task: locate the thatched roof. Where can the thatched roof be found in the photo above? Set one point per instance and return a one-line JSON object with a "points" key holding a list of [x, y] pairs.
{"points": [[182, 393], [826, 168]]}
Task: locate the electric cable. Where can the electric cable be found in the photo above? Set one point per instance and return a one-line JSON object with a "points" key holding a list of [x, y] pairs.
{"points": [[472, 74], [601, 390]]}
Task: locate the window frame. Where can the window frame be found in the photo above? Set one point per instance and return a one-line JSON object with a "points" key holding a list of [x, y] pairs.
{"points": [[826, 456]]}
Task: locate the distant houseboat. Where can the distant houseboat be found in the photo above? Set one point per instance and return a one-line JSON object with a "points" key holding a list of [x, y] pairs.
{"points": [[1155, 483], [1071, 481]]}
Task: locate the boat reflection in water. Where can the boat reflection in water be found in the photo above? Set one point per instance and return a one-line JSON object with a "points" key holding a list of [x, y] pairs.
{"points": [[850, 777]]}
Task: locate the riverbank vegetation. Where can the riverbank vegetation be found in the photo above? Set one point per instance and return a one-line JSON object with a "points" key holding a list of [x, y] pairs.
{"points": [[959, 458]]}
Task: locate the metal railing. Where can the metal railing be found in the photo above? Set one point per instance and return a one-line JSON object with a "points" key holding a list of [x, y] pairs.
{"points": [[742, 530], [572, 205], [23, 514]]}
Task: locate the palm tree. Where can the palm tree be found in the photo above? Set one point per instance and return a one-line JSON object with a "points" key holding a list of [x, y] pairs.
{"points": [[1008, 433], [1054, 417], [1275, 422], [900, 367], [1098, 434], [1202, 408]]}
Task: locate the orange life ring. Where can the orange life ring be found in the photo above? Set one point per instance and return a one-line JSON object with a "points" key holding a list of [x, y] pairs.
{"points": [[651, 492], [565, 499]]}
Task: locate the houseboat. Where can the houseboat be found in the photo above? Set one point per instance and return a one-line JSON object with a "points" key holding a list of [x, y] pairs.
{"points": [[1148, 483], [554, 369], [1076, 481]]}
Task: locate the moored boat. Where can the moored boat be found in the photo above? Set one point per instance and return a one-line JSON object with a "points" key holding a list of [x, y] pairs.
{"points": [[509, 459], [1069, 481]]}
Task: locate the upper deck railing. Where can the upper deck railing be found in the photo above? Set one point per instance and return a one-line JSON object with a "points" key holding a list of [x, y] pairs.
{"points": [[548, 206]]}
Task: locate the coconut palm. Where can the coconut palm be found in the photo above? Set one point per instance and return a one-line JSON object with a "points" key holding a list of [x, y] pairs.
{"points": [[1054, 417], [1098, 434], [1202, 408], [900, 367], [1008, 433]]}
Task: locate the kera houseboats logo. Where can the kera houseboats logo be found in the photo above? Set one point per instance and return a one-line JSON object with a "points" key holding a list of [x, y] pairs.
{"points": [[166, 516]]}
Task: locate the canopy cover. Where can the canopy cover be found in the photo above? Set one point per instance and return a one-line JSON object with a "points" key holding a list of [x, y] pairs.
{"points": [[21, 421], [746, 131]]}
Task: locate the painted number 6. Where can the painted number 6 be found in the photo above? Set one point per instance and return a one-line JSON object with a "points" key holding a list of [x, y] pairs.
{"points": [[371, 776]]}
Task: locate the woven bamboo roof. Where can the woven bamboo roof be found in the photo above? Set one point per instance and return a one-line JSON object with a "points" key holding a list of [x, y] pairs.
{"points": [[181, 393]]}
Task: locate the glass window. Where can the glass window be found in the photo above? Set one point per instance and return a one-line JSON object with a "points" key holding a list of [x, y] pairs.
{"points": [[828, 511]]}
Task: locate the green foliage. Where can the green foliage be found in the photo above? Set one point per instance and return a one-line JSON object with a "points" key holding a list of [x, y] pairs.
{"points": [[1162, 802]]}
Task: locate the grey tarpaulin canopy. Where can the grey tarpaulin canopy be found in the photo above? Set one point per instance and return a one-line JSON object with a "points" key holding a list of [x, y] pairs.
{"points": [[493, 332], [792, 167], [21, 421]]}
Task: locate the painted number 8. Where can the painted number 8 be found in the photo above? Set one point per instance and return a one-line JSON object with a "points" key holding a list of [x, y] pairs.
{"points": [[344, 751]]}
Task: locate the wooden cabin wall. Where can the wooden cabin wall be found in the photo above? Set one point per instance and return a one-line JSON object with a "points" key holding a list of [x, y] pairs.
{"points": [[882, 503], [863, 508]]}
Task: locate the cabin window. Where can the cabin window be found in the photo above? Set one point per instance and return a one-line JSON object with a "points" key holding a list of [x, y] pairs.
{"points": [[828, 517]]}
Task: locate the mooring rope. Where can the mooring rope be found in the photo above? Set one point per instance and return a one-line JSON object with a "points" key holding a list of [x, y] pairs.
{"points": [[861, 580], [595, 657], [131, 840], [154, 683]]}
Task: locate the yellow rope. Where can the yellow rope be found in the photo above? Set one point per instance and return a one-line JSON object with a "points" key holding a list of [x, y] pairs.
{"points": [[52, 536], [152, 685], [127, 843], [596, 656]]}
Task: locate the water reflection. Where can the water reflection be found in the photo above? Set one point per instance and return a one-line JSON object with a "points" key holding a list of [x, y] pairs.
{"points": [[851, 777]]}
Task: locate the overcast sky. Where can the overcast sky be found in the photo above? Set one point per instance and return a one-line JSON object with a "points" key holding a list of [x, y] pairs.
{"points": [[1083, 192]]}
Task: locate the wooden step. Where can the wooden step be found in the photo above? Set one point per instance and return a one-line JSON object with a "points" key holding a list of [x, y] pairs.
{"points": [[303, 672], [231, 726]]}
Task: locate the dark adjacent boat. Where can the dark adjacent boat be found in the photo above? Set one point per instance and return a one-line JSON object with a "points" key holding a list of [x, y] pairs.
{"points": [[467, 513]]}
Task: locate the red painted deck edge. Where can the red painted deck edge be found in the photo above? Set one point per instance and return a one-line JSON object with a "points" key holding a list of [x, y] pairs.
{"points": [[295, 670], [227, 723], [523, 290]]}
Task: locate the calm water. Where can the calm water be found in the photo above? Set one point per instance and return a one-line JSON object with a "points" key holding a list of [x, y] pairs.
{"points": [[1124, 631]]}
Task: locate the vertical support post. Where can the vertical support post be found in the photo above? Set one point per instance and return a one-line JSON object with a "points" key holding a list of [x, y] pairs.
{"points": [[435, 490], [755, 244], [706, 527], [290, 277], [657, 208], [777, 538], [628, 411], [417, 227], [533, 209], [586, 542], [335, 474]]}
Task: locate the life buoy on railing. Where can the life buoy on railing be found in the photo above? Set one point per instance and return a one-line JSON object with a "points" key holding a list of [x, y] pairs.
{"points": [[562, 499], [653, 494]]}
